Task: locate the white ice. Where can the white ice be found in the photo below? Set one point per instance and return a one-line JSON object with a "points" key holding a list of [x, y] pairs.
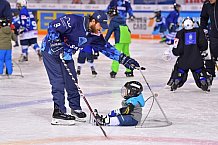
{"points": [[26, 105]]}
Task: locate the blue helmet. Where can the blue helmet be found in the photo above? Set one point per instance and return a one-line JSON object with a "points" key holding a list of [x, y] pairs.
{"points": [[101, 17]]}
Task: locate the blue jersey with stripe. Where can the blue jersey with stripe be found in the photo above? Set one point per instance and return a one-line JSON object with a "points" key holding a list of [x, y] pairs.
{"points": [[27, 20], [123, 7], [72, 30]]}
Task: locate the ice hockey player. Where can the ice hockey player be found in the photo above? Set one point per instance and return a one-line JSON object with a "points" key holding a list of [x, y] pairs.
{"points": [[86, 53], [66, 34], [172, 24], [123, 7], [160, 26], [189, 43], [130, 113], [122, 37], [27, 30]]}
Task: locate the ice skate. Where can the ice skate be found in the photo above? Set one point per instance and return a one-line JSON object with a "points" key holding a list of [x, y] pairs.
{"points": [[129, 74], [98, 120], [79, 115], [23, 58], [39, 55], [78, 72], [59, 118], [113, 74], [93, 71]]}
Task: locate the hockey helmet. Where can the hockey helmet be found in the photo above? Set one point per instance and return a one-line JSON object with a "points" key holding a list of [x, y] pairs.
{"points": [[188, 23], [112, 11], [4, 22], [131, 89], [21, 3], [176, 6]]}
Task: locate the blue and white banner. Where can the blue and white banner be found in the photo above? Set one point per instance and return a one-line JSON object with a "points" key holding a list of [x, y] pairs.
{"points": [[154, 1]]}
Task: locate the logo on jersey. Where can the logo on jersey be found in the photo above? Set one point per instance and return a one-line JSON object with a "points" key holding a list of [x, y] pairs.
{"points": [[82, 40], [190, 38], [176, 42]]}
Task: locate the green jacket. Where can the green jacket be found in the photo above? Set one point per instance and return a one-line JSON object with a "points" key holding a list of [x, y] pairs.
{"points": [[6, 35]]}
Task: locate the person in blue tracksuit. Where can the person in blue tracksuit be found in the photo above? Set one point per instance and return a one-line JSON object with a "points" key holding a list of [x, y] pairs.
{"points": [[123, 7], [67, 34]]}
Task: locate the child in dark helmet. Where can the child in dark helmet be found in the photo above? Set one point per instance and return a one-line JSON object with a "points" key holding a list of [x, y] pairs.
{"points": [[130, 113], [122, 37]]}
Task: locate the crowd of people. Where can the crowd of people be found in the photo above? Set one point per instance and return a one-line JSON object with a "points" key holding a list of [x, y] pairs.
{"points": [[70, 33]]}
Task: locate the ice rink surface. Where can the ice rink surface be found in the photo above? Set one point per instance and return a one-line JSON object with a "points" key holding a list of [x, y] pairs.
{"points": [[26, 105]]}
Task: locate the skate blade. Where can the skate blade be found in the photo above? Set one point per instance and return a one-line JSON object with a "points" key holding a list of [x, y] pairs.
{"points": [[62, 122], [80, 119]]}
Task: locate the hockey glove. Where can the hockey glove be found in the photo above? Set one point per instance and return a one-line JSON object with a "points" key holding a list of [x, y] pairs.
{"points": [[131, 18], [96, 55], [127, 110], [128, 62], [206, 33], [21, 30]]}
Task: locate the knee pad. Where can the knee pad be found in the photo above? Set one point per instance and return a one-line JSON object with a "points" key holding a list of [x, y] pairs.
{"points": [[178, 78], [210, 67], [202, 79]]}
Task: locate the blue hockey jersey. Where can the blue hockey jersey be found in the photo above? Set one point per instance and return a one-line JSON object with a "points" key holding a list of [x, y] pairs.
{"points": [[73, 31], [28, 22], [172, 18], [123, 7]]}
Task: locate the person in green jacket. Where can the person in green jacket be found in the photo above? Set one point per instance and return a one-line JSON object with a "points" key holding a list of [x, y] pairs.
{"points": [[5, 46], [122, 37]]}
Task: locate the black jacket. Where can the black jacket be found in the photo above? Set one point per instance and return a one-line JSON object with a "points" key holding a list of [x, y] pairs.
{"points": [[5, 9], [210, 12], [190, 45]]}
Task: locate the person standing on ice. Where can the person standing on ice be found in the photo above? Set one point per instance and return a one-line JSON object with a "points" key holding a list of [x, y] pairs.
{"points": [[122, 37], [67, 34], [27, 31], [188, 45], [123, 7]]}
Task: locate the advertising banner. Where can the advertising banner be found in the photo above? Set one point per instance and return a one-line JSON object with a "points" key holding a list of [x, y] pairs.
{"points": [[154, 1]]}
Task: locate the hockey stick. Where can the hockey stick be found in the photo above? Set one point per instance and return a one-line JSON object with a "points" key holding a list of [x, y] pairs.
{"points": [[154, 95], [21, 73], [82, 94]]}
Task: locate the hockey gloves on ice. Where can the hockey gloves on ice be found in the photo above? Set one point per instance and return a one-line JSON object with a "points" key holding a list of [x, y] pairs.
{"points": [[128, 62]]}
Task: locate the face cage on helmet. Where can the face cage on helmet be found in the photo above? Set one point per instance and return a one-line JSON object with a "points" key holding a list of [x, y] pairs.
{"points": [[190, 27], [124, 92]]}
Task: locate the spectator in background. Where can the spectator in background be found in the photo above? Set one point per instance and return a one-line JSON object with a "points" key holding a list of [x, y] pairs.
{"points": [[77, 2], [123, 7], [5, 10], [92, 2], [210, 12], [6, 35]]}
